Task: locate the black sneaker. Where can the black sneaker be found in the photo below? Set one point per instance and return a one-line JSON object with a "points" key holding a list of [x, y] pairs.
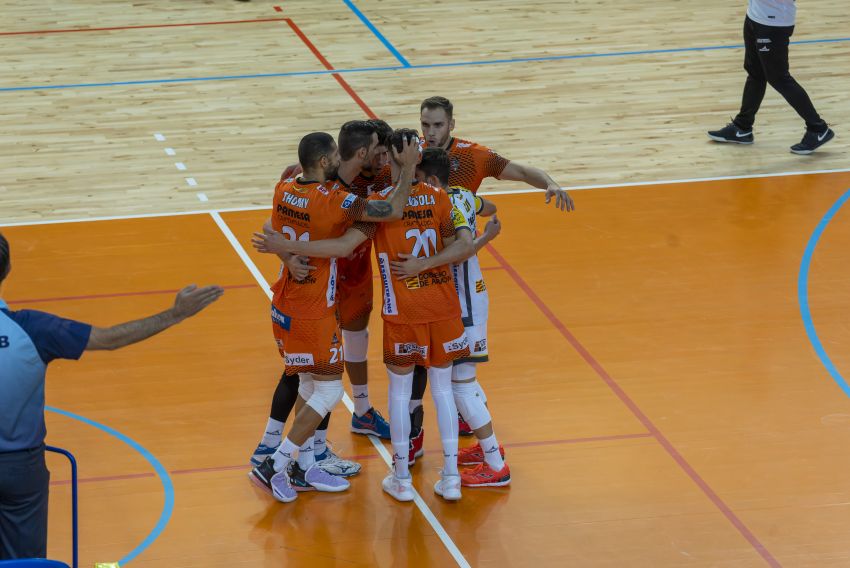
{"points": [[812, 141], [262, 474], [296, 477], [731, 133]]}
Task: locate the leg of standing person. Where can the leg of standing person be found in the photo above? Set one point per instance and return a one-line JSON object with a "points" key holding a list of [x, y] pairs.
{"points": [[24, 490]]}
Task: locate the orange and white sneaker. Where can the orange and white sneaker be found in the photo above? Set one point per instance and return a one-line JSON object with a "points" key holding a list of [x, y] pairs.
{"points": [[474, 455], [483, 475]]}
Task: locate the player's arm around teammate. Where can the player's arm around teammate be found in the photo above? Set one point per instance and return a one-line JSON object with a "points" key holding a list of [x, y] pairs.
{"points": [[376, 210]]}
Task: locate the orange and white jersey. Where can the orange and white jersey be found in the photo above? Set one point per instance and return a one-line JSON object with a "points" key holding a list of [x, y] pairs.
{"points": [[428, 218], [308, 211], [471, 163]]}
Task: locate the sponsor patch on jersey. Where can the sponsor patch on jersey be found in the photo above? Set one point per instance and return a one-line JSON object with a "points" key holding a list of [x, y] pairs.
{"points": [[411, 349], [281, 319], [298, 359], [480, 346], [348, 201], [456, 345], [480, 286], [459, 219], [464, 144]]}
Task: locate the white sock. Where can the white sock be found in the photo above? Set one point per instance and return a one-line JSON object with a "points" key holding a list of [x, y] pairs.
{"points": [[360, 396], [492, 456], [306, 456], [320, 442], [444, 401], [399, 398], [283, 455], [413, 405], [273, 433]]}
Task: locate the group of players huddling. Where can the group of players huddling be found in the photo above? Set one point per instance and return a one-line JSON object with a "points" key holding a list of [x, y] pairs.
{"points": [[414, 201]]}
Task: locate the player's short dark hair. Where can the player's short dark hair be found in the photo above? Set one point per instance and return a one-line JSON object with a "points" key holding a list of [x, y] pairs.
{"points": [[438, 102], [353, 135], [435, 162], [383, 130], [313, 146], [398, 137], [5, 258]]}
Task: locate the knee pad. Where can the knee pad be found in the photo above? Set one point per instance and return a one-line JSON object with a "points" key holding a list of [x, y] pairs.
{"points": [[305, 385], [355, 345], [470, 404], [326, 395], [441, 380], [463, 372]]}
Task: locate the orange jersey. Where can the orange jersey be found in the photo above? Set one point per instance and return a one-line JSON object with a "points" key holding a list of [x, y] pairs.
{"points": [[310, 212], [429, 217], [355, 271], [365, 186], [471, 163]]}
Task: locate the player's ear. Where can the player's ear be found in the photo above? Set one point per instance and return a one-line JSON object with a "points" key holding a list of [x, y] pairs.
{"points": [[451, 124]]}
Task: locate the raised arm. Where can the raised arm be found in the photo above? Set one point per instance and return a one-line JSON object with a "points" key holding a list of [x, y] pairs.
{"points": [[536, 177], [277, 243], [189, 301], [392, 208]]}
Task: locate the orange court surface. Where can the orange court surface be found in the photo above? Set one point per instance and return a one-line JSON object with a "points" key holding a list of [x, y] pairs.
{"points": [[667, 363]]}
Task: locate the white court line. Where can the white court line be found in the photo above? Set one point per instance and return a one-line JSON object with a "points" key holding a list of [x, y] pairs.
{"points": [[191, 181], [159, 136], [203, 197], [180, 166], [170, 151], [423, 507], [485, 192]]}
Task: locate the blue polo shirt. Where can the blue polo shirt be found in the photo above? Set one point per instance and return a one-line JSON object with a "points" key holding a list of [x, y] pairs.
{"points": [[29, 340]]}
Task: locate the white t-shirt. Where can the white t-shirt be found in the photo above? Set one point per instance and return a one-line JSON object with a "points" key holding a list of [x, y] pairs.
{"points": [[779, 13]]}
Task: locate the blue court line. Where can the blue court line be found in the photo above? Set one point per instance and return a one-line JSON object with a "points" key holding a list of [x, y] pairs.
{"points": [[803, 294], [398, 67], [164, 478], [377, 33]]}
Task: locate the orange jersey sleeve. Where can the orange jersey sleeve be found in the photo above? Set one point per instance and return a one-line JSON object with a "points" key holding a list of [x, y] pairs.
{"points": [[309, 211], [427, 220], [471, 163]]}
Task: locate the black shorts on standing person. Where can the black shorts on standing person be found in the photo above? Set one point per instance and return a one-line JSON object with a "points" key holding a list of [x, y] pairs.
{"points": [[766, 62]]}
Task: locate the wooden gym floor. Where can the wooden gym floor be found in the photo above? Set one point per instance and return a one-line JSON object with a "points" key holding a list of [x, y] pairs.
{"points": [[668, 361]]}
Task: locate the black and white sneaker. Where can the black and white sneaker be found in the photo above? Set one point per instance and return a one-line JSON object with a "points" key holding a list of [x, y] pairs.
{"points": [[812, 141], [731, 133]]}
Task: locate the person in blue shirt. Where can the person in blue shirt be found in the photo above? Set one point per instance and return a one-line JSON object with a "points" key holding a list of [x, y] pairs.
{"points": [[29, 340]]}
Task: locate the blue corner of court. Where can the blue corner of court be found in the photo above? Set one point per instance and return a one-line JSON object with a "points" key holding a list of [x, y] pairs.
{"points": [[162, 473]]}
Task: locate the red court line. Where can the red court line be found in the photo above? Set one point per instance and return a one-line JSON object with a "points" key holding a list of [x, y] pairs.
{"points": [[115, 295], [74, 30], [105, 478], [636, 411], [330, 67]]}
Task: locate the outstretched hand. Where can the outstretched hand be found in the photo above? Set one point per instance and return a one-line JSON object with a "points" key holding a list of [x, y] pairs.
{"points": [[563, 201], [191, 299]]}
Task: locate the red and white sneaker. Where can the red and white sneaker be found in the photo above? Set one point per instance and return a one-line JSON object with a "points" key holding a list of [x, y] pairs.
{"points": [[463, 429], [483, 475], [416, 449], [474, 455]]}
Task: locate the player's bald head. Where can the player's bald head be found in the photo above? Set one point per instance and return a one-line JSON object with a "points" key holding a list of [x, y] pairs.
{"points": [[314, 147], [5, 258]]}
